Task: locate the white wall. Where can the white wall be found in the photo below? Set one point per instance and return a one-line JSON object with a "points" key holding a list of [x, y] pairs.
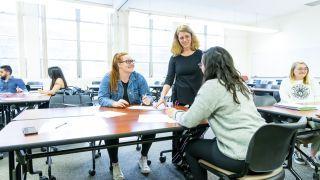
{"points": [[299, 39], [236, 43]]}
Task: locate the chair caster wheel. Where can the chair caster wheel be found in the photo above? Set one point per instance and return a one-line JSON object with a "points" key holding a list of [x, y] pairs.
{"points": [[54, 149], [97, 155], [52, 178], [315, 176], [138, 148], [46, 162], [1, 156], [43, 178], [92, 172], [162, 159], [189, 176], [43, 149], [148, 162]]}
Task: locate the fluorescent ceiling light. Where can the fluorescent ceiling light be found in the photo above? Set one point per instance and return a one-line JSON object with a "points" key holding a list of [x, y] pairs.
{"points": [[248, 28], [234, 26], [314, 3]]}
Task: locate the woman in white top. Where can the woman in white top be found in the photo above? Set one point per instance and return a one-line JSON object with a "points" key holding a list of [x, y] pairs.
{"points": [[300, 88]]}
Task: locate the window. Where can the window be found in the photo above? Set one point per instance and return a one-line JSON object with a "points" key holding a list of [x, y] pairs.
{"points": [[150, 39], [77, 39], [8, 36]]}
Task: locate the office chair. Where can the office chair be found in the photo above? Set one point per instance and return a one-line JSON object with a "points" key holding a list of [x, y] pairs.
{"points": [[34, 85], [305, 137], [266, 100], [28, 87], [70, 100], [269, 148]]}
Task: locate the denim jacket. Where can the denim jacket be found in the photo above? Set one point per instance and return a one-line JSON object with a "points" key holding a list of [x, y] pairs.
{"points": [[11, 85], [137, 88]]}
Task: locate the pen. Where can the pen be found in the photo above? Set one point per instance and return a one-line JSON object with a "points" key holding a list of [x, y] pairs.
{"points": [[142, 99], [61, 125]]}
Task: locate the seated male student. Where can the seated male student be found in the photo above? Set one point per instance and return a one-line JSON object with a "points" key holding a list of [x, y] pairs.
{"points": [[8, 83]]}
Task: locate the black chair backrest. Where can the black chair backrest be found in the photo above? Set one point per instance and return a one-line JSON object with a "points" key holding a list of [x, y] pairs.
{"points": [[96, 82], [256, 81], [275, 87], [271, 144], [28, 87], [261, 85], [71, 97], [279, 81], [265, 100]]}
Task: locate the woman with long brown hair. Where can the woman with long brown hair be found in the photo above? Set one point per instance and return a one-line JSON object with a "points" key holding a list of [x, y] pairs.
{"points": [[120, 88], [226, 102]]}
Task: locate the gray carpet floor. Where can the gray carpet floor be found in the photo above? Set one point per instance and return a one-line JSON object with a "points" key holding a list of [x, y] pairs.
{"points": [[76, 166]]}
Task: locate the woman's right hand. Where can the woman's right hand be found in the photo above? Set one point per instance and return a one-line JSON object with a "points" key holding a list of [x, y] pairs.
{"points": [[120, 104], [161, 101]]}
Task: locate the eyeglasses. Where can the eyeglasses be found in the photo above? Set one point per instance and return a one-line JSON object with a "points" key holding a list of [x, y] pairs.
{"points": [[129, 61], [303, 69]]}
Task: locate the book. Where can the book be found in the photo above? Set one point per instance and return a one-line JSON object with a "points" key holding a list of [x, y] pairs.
{"points": [[299, 107]]}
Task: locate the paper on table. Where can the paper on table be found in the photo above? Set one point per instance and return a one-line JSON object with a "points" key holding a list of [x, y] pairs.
{"points": [[52, 126], [155, 118], [300, 107], [12, 98], [149, 108], [109, 114]]}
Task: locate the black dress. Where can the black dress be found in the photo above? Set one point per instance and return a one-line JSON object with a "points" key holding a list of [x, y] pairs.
{"points": [[186, 75]]}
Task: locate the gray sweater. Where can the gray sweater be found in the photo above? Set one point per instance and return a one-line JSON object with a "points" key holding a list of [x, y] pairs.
{"points": [[233, 124]]}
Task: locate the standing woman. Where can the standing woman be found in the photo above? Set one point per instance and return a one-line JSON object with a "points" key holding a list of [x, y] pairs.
{"points": [[185, 78], [57, 81], [183, 68]]}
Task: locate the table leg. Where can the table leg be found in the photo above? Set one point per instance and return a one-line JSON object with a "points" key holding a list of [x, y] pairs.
{"points": [[11, 165]]}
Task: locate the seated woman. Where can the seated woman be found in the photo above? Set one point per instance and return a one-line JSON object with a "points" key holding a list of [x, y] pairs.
{"points": [[57, 81], [300, 88], [227, 103], [120, 88]]}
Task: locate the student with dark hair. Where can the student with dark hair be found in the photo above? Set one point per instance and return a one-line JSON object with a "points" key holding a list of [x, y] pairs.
{"points": [[120, 88], [227, 103], [9, 84], [58, 81]]}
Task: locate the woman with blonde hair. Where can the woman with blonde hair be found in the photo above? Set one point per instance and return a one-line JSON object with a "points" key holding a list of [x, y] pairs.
{"points": [[120, 88], [183, 68], [185, 78], [300, 88]]}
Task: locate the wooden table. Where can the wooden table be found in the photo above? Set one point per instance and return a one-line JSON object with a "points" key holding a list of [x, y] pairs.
{"points": [[311, 115], [19, 99], [49, 113], [103, 123]]}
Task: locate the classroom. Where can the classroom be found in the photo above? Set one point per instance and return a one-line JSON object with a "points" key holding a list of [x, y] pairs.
{"points": [[170, 89]]}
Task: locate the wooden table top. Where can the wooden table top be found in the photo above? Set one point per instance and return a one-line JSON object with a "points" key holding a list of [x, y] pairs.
{"points": [[11, 98], [290, 112], [106, 123], [49, 113]]}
